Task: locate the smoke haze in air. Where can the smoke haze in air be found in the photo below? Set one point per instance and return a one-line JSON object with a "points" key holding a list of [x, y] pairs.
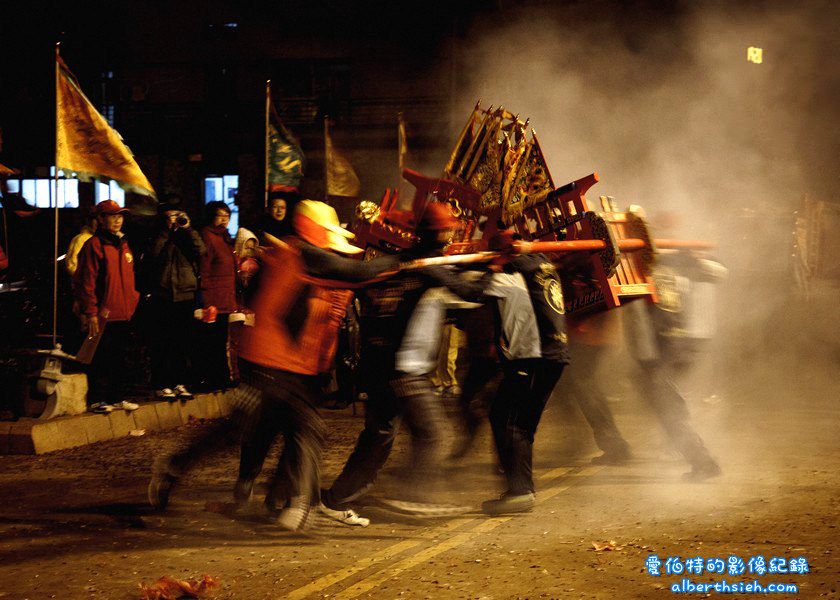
{"points": [[664, 105]]}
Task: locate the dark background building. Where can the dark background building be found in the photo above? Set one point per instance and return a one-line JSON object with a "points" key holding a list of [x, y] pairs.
{"points": [[183, 81], [656, 96]]}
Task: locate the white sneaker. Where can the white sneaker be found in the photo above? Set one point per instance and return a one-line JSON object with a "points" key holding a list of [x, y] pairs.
{"points": [[348, 517], [126, 405], [182, 392], [166, 394]]}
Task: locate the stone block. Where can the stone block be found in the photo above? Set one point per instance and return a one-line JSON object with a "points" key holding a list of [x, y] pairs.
{"points": [[97, 427], [121, 423], [168, 414], [146, 417], [20, 437], [5, 430], [211, 408], [226, 401], [190, 408], [71, 392], [58, 434]]}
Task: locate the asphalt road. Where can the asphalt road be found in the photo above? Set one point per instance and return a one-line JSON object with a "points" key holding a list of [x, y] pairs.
{"points": [[75, 524]]}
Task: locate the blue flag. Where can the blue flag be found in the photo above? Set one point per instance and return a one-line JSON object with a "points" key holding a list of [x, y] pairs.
{"points": [[285, 157]]}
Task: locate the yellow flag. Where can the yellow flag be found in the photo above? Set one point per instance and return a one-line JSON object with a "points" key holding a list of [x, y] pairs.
{"points": [[463, 144], [341, 178], [87, 145]]}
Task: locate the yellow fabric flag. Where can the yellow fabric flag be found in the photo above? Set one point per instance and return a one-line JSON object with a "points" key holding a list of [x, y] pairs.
{"points": [[87, 145], [341, 178], [463, 144]]}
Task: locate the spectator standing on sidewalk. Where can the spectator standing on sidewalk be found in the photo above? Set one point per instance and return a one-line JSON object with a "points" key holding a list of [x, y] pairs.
{"points": [[175, 255], [88, 229], [105, 290], [218, 295], [443, 377], [277, 222]]}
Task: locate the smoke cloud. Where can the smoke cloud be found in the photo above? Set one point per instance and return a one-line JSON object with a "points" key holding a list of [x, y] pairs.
{"points": [[664, 105]]}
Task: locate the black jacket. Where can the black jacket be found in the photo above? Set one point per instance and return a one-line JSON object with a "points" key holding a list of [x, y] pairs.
{"points": [[546, 293], [387, 308], [175, 260]]}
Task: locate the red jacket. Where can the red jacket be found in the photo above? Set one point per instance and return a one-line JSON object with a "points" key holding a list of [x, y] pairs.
{"points": [[218, 270], [297, 321], [4, 260], [105, 278]]}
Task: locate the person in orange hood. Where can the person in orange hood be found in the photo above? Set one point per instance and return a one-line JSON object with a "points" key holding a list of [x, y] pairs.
{"points": [[299, 300]]}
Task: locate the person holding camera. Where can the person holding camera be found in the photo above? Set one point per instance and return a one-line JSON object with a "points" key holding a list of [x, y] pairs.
{"points": [[175, 255]]}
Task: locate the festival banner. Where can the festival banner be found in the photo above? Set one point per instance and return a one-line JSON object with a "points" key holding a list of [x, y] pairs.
{"points": [[86, 145], [341, 177], [285, 157]]}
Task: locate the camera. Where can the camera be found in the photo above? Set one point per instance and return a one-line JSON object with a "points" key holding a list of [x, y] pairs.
{"points": [[181, 220]]}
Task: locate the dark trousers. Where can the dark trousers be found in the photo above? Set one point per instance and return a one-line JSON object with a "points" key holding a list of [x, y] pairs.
{"points": [[520, 400], [392, 399], [656, 388], [172, 330], [583, 387], [107, 376], [220, 435], [212, 366], [660, 392], [474, 400], [286, 405]]}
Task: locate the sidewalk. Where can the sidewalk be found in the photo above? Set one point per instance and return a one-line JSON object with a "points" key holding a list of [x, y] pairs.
{"points": [[37, 436]]}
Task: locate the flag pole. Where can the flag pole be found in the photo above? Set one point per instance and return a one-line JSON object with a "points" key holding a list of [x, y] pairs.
{"points": [[55, 199], [267, 110], [326, 159], [399, 146]]}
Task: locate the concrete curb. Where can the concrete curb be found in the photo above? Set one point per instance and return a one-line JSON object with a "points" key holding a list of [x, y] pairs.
{"points": [[36, 436]]}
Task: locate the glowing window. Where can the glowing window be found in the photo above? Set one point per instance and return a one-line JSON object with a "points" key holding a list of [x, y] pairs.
{"points": [[224, 188], [108, 191], [39, 192]]}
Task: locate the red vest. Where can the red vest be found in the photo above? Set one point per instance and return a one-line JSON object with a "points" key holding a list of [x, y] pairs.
{"points": [[296, 321]]}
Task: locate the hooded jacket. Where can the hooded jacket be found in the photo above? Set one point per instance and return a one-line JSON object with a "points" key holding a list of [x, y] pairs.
{"points": [[71, 262], [299, 305]]}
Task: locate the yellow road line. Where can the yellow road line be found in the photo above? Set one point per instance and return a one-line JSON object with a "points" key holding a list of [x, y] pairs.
{"points": [[554, 473], [554, 490], [386, 573], [361, 564], [380, 577]]}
